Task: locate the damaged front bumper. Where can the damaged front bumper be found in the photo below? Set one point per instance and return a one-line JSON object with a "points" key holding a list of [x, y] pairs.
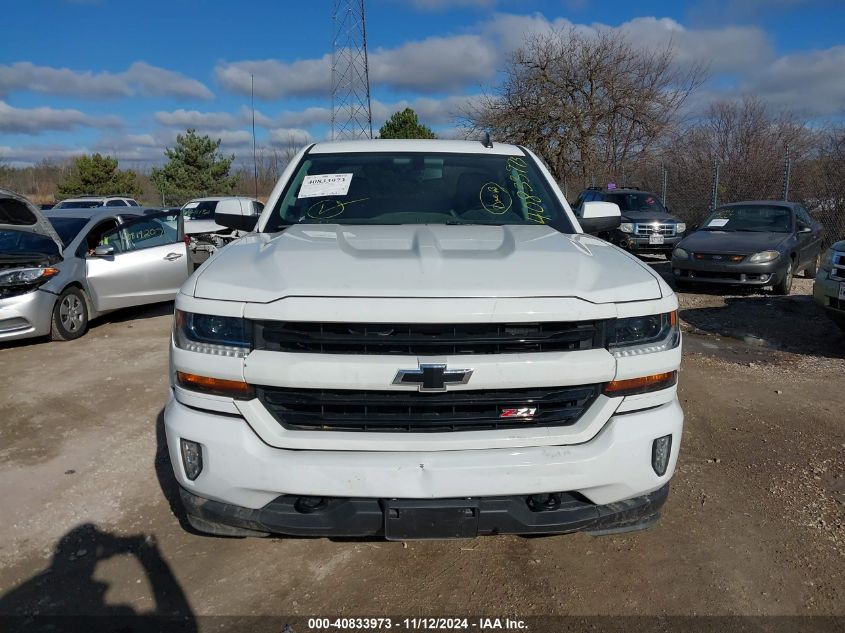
{"points": [[407, 519]]}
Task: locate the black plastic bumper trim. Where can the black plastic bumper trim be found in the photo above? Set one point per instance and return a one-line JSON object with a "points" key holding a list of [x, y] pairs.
{"points": [[360, 517]]}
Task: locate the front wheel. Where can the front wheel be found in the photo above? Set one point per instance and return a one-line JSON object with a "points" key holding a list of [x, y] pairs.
{"points": [[70, 316], [784, 286], [811, 270]]}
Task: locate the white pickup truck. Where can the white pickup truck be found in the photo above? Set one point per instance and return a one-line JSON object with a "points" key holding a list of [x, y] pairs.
{"points": [[419, 340]]}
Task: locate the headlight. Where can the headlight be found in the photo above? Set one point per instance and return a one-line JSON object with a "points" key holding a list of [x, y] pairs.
{"points": [[627, 227], [765, 256], [26, 276], [680, 227], [633, 336], [211, 334], [680, 253]]}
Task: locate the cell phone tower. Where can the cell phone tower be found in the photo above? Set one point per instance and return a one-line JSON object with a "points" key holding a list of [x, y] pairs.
{"points": [[352, 115]]}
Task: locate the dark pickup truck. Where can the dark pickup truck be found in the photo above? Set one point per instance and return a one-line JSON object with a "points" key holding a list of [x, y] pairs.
{"points": [[647, 226]]}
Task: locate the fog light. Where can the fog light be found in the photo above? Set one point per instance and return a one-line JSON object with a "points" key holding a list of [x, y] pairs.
{"points": [[191, 458], [660, 451]]}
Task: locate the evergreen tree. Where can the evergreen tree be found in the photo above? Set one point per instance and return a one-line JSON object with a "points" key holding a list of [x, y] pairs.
{"points": [[98, 175], [195, 168], [405, 124]]}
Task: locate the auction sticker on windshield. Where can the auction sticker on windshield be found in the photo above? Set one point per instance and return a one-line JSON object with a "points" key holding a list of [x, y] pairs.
{"points": [[325, 185], [718, 222]]}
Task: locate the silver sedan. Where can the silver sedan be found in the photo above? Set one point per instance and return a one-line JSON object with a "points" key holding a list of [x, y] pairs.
{"points": [[60, 269]]}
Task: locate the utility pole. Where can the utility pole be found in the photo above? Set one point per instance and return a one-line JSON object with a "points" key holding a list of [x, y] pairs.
{"points": [[352, 115]]}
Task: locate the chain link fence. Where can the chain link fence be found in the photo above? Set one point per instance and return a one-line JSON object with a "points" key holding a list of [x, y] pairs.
{"points": [[691, 188]]}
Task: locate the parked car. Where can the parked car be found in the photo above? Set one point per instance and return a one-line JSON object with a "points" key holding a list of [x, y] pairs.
{"points": [[829, 288], [757, 243], [60, 269], [91, 202], [205, 235], [646, 226], [420, 341]]}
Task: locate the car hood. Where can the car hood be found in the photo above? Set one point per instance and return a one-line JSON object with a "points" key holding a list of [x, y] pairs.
{"points": [[738, 242], [19, 214], [646, 217], [424, 261], [197, 227]]}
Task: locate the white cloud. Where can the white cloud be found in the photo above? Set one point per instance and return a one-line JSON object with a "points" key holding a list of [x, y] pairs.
{"points": [[435, 64], [36, 120], [140, 79], [289, 137], [275, 78], [810, 83], [29, 154], [193, 119]]}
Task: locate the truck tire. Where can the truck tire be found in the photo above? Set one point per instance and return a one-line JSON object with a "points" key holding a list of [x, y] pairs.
{"points": [[70, 315]]}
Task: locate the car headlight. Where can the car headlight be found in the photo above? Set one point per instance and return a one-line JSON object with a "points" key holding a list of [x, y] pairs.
{"points": [[680, 253], [627, 227], [680, 227], [646, 334], [212, 334], [764, 256], [26, 276]]}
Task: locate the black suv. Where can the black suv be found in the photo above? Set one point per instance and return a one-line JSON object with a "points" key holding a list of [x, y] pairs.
{"points": [[646, 227]]}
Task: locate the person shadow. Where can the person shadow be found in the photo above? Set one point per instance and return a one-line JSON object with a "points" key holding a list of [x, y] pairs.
{"points": [[67, 597]]}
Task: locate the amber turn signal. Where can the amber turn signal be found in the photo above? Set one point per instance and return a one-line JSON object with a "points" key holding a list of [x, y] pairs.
{"points": [[644, 384], [216, 386]]}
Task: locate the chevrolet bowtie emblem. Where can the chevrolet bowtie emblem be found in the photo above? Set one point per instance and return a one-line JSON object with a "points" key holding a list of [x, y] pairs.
{"points": [[431, 377]]}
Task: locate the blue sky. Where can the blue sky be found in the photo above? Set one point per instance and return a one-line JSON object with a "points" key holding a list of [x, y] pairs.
{"points": [[125, 77]]}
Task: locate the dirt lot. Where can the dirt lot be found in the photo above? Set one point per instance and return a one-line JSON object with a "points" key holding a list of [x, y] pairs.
{"points": [[753, 526]]}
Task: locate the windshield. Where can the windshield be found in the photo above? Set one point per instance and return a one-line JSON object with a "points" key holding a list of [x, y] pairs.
{"points": [[199, 210], [79, 204], [757, 218], [21, 242], [636, 202], [417, 188], [67, 228]]}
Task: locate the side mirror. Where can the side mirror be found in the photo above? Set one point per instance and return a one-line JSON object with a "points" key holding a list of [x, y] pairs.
{"points": [[597, 217], [238, 222], [805, 229], [104, 250]]}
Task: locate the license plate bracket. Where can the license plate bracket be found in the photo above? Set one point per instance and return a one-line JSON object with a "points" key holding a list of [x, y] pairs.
{"points": [[655, 238], [423, 519]]}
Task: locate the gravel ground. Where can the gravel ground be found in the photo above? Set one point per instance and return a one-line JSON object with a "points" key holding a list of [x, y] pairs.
{"points": [[753, 525]]}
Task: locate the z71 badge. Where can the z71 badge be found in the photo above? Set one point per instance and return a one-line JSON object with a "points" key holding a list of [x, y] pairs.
{"points": [[524, 412]]}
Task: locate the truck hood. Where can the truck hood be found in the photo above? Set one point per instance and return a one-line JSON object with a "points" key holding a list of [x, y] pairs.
{"points": [[19, 214], [424, 261], [648, 217]]}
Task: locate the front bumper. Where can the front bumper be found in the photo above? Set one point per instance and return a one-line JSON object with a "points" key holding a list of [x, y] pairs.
{"points": [[640, 243], [742, 274], [27, 315], [826, 294], [241, 470], [424, 518]]}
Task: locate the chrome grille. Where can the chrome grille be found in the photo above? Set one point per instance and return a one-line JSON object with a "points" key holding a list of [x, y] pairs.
{"points": [[667, 230]]}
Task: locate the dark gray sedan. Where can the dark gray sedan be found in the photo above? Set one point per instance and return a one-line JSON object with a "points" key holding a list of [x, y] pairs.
{"points": [[760, 243]]}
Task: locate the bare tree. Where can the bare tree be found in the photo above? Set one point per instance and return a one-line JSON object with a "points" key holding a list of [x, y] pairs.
{"points": [[585, 102]]}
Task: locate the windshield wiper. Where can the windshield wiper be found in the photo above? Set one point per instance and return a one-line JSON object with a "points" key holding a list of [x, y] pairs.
{"points": [[462, 223]]}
